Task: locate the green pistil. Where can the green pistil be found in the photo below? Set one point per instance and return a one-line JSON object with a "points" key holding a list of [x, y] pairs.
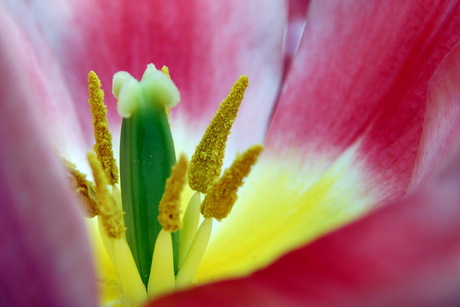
{"points": [[146, 157], [139, 226]]}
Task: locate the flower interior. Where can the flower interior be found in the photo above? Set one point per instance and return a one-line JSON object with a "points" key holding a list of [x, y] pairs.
{"points": [[153, 247]]}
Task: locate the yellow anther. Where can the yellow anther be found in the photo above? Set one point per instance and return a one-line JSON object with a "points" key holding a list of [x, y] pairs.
{"points": [[103, 146], [111, 215], [206, 163], [222, 195], [83, 188], [165, 70], [169, 208]]}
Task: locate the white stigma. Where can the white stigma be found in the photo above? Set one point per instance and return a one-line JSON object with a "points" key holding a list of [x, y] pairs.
{"points": [[154, 88]]}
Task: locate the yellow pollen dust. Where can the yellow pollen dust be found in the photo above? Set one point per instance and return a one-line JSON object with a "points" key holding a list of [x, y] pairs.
{"points": [[165, 70], [206, 163], [103, 146], [222, 195], [110, 214], [169, 208], [83, 188]]}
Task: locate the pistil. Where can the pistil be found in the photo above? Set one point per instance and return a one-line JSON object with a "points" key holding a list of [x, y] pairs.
{"points": [[139, 225], [146, 157]]}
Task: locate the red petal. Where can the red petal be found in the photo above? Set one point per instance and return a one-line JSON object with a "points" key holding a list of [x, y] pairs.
{"points": [[405, 254], [206, 44], [361, 76], [441, 127], [45, 256]]}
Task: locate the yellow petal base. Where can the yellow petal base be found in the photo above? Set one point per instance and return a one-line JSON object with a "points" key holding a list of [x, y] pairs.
{"points": [[283, 205]]}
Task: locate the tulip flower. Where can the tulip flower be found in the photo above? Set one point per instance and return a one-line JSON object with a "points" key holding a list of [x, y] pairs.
{"points": [[355, 198]]}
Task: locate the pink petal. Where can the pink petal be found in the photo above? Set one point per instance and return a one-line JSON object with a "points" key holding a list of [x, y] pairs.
{"points": [[45, 256], [360, 78], [206, 44], [441, 127], [297, 19], [25, 36], [405, 254]]}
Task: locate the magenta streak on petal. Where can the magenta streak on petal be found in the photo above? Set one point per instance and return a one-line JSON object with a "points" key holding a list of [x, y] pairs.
{"points": [[206, 44], [44, 252], [361, 74]]}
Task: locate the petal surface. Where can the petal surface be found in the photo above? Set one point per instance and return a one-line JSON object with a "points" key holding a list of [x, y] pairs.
{"points": [[360, 77], [207, 45], [297, 18], [441, 127], [281, 207], [45, 256], [24, 36], [404, 254], [315, 175]]}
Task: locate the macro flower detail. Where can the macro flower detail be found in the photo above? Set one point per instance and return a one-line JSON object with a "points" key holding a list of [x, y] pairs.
{"points": [[153, 260], [353, 202]]}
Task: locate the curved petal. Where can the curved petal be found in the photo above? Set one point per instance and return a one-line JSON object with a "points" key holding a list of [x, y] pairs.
{"points": [[360, 78], [297, 19], [45, 256], [207, 46], [405, 254], [441, 127], [302, 190], [281, 207], [299, 191]]}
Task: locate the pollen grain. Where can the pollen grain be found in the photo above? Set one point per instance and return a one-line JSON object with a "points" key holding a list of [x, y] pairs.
{"points": [[103, 146], [222, 195], [110, 214], [169, 208], [165, 70], [206, 163], [83, 188]]}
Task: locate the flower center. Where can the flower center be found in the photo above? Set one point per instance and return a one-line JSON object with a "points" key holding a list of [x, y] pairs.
{"points": [[152, 246]]}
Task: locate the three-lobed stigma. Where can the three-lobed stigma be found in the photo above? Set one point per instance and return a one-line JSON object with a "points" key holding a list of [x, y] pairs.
{"points": [[140, 222]]}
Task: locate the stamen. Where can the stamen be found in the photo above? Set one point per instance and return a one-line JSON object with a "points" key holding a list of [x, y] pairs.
{"points": [[146, 158], [162, 279], [222, 195], [190, 225], [83, 188], [103, 146], [133, 287], [188, 270], [111, 215], [169, 208], [206, 163]]}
